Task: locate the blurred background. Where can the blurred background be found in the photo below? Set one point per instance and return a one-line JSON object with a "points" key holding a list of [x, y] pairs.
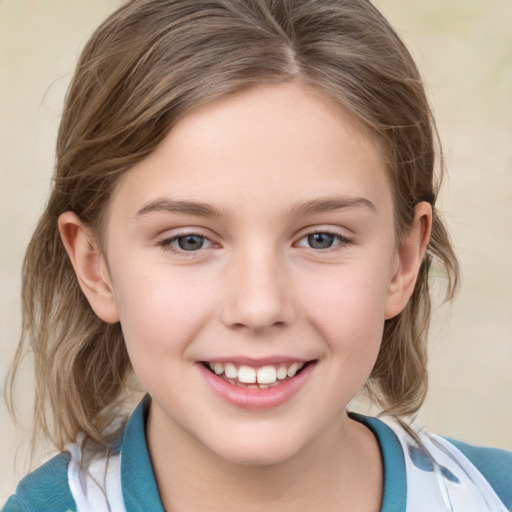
{"points": [[464, 49]]}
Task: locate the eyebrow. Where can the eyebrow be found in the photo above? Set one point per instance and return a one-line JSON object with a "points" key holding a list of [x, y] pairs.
{"points": [[328, 204], [197, 208]]}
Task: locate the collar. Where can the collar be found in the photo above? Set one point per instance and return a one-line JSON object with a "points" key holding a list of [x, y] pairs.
{"points": [[140, 491], [394, 497]]}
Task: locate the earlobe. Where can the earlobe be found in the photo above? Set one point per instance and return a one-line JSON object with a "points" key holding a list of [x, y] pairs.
{"points": [[90, 266], [409, 257]]}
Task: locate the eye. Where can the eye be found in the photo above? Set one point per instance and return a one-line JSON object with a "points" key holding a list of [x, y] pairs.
{"points": [[185, 243], [323, 240]]}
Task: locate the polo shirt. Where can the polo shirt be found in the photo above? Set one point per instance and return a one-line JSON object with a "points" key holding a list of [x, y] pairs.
{"points": [[53, 488]]}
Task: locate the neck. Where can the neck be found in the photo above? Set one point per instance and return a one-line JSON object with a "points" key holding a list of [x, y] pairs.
{"points": [[340, 470]]}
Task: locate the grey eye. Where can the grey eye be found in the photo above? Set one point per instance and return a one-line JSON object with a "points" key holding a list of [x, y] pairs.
{"points": [[320, 240], [190, 242]]}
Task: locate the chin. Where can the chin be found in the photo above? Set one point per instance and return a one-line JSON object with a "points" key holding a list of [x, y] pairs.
{"points": [[258, 450]]}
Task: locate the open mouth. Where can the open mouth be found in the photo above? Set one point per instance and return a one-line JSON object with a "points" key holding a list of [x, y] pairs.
{"points": [[250, 377]]}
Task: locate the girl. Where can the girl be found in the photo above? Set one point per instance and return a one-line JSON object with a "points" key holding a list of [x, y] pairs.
{"points": [[243, 217]]}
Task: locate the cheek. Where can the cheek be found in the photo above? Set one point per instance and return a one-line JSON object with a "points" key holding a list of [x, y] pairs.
{"points": [[160, 310], [348, 306]]}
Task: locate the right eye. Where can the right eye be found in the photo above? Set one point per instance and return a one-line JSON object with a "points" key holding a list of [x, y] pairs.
{"points": [[188, 243]]}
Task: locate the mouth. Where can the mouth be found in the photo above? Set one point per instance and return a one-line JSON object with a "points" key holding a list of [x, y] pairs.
{"points": [[261, 377], [256, 386]]}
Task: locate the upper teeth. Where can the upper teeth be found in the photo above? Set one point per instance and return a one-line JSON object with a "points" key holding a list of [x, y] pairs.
{"points": [[264, 375]]}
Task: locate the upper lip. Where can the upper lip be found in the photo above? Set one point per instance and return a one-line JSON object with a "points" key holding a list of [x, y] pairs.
{"points": [[257, 361]]}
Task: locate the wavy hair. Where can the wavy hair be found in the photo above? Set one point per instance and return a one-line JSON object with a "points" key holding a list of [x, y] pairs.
{"points": [[148, 65]]}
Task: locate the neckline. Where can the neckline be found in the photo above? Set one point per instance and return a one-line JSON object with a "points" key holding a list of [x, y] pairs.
{"points": [[394, 497], [140, 491], [138, 481]]}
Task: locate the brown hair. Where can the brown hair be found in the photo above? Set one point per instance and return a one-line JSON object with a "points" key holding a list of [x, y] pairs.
{"points": [[150, 63]]}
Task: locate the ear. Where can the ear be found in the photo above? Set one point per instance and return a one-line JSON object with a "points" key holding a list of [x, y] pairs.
{"points": [[90, 266], [409, 257]]}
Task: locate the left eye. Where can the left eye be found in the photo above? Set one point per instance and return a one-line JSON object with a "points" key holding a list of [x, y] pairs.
{"points": [[187, 243], [321, 240]]}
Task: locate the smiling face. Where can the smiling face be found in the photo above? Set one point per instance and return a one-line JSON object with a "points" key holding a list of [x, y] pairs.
{"points": [[252, 261]]}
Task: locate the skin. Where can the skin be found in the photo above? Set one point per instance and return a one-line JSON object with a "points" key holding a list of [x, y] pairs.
{"points": [[256, 289]]}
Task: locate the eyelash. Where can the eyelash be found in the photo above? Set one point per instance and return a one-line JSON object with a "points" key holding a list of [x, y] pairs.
{"points": [[343, 241], [166, 243]]}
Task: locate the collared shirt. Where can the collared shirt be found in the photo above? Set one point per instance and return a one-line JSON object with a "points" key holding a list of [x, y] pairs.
{"points": [[437, 476]]}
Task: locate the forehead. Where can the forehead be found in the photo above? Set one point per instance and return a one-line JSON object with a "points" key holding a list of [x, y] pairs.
{"points": [[261, 150]]}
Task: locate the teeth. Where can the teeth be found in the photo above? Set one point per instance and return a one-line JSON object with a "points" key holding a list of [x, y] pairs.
{"points": [[230, 371], [282, 372], [247, 375], [266, 375], [292, 369], [263, 376]]}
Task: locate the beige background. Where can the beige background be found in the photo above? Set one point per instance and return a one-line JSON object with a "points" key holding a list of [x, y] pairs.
{"points": [[464, 48]]}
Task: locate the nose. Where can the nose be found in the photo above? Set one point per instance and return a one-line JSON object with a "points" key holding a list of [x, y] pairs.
{"points": [[260, 295]]}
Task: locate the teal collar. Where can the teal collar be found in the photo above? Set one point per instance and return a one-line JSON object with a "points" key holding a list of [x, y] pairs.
{"points": [[395, 482], [140, 491]]}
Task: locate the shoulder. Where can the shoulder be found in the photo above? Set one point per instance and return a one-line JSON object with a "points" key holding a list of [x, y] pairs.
{"points": [[461, 477], [475, 478], [494, 464], [45, 489]]}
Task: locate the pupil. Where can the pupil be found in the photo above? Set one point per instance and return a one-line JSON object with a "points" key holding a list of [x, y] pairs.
{"points": [[320, 240], [190, 242]]}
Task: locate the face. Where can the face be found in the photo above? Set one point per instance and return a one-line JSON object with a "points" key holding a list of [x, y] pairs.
{"points": [[252, 259]]}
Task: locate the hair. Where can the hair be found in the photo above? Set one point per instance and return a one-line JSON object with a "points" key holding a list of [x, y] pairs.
{"points": [[148, 65]]}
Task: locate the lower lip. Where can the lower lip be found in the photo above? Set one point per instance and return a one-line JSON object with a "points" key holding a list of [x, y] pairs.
{"points": [[255, 398]]}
